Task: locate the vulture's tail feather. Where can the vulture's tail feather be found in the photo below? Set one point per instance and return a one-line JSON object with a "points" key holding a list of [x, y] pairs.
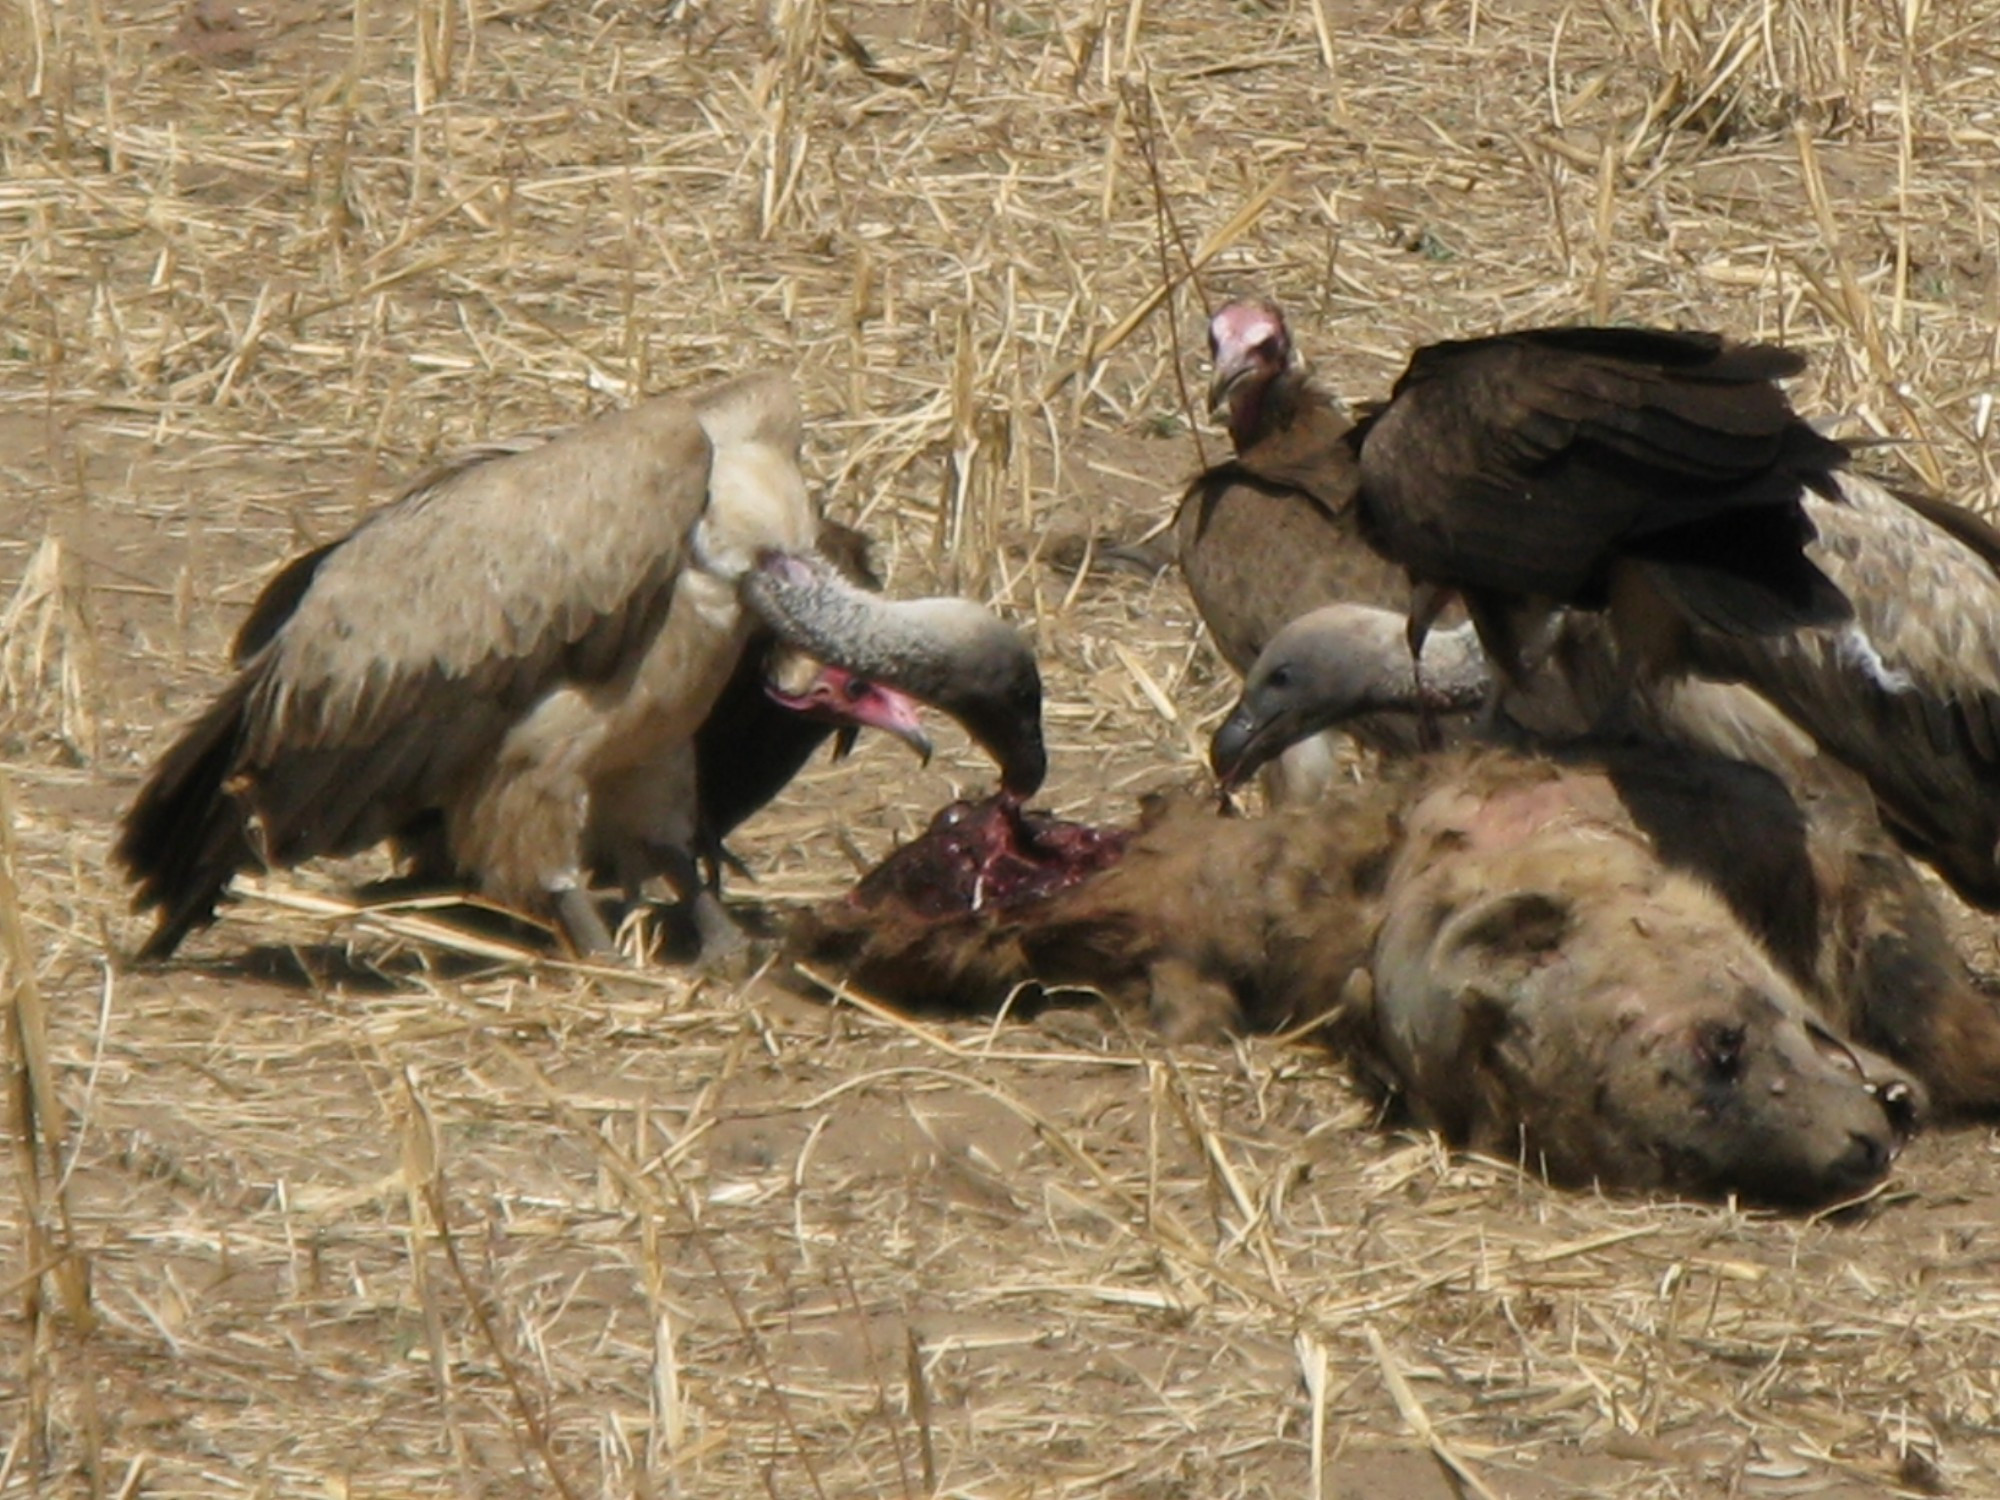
{"points": [[185, 834]]}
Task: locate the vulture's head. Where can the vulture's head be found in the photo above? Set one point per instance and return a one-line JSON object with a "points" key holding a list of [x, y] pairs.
{"points": [[1323, 669], [978, 669], [953, 654], [834, 695], [1249, 347]]}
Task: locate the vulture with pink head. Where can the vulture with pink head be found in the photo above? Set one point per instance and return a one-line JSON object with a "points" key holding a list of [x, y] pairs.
{"points": [[512, 665]]}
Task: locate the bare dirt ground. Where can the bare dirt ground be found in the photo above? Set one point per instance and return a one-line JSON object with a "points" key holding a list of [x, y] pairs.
{"points": [[331, 1206]]}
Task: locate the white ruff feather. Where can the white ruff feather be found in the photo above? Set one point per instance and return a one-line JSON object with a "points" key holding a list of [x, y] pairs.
{"points": [[1856, 650]]}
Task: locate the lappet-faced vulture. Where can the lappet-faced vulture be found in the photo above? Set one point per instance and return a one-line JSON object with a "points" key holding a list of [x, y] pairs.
{"points": [[526, 648]]}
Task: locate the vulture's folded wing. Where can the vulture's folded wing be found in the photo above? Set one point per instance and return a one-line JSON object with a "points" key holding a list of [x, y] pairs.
{"points": [[377, 672], [1908, 693], [1521, 462], [490, 582]]}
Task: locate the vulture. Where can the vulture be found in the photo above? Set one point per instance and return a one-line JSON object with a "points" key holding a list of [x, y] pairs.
{"points": [[1659, 475], [779, 706], [511, 665], [1272, 530], [1906, 692]]}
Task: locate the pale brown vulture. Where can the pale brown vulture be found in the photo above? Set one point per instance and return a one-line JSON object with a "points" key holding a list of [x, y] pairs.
{"points": [[525, 649]]}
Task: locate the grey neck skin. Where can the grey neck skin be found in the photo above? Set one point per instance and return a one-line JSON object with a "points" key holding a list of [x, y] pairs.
{"points": [[1336, 665], [919, 645], [1456, 675]]}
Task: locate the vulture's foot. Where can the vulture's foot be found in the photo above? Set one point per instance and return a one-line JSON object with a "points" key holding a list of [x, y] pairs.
{"points": [[719, 941], [583, 925]]}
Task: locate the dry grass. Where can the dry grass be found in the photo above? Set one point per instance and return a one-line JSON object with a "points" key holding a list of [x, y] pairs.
{"points": [[332, 1207]]}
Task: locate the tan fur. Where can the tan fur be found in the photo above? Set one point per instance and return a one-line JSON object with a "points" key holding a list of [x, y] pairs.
{"points": [[1529, 950], [1543, 985], [1209, 924]]}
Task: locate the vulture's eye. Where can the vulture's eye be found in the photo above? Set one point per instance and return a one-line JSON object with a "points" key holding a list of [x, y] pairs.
{"points": [[1269, 348], [1281, 677], [858, 688]]}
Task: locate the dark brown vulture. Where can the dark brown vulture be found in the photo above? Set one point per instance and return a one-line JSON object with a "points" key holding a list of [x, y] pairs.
{"points": [[524, 650], [1272, 532], [1660, 475]]}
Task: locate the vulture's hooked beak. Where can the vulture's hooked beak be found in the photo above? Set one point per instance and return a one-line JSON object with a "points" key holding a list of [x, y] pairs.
{"points": [[1230, 372], [1241, 744], [835, 695]]}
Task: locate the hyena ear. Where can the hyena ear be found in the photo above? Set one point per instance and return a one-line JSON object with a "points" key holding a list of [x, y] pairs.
{"points": [[1511, 931]]}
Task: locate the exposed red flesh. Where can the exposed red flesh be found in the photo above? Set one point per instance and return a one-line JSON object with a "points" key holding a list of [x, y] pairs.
{"points": [[991, 855]]}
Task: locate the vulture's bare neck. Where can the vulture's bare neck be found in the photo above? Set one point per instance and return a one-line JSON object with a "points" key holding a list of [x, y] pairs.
{"points": [[1456, 675]]}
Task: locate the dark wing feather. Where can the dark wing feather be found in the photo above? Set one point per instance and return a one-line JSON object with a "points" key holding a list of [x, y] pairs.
{"points": [[275, 604], [1524, 463], [187, 832]]}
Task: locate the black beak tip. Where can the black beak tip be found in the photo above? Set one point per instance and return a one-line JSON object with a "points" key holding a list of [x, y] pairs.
{"points": [[1229, 748]]}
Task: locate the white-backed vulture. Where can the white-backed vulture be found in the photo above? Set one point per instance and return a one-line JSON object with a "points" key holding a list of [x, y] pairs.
{"points": [[524, 649]]}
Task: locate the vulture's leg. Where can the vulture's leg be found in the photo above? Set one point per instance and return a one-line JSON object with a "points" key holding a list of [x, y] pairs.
{"points": [[1427, 602], [583, 925], [1517, 638], [716, 934]]}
